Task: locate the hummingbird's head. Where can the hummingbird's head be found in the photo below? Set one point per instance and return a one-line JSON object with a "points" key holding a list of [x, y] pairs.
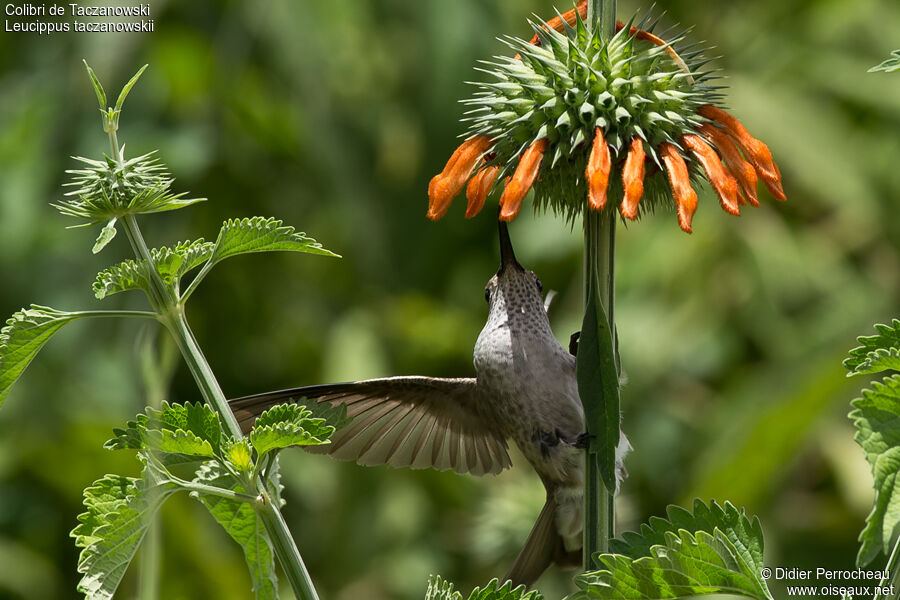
{"points": [[513, 287]]}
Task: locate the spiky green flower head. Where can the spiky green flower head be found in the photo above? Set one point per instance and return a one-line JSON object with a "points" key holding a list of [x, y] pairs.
{"points": [[573, 82], [114, 187], [578, 118]]}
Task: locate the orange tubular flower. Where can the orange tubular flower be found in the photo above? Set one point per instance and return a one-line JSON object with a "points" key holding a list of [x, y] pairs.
{"points": [[451, 180], [479, 187], [725, 185], [633, 179], [755, 150], [522, 180], [597, 172], [679, 181], [742, 171]]}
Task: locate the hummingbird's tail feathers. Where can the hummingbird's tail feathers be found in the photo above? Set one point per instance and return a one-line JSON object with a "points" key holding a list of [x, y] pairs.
{"points": [[416, 422], [543, 547]]}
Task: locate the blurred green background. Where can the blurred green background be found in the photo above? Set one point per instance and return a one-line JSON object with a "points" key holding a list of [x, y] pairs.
{"points": [[334, 116]]}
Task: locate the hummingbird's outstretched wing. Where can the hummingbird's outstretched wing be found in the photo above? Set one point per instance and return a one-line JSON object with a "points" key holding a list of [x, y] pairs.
{"points": [[416, 422]]}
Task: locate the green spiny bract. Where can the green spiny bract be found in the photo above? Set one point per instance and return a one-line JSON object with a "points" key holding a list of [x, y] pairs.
{"points": [[572, 83], [111, 188]]}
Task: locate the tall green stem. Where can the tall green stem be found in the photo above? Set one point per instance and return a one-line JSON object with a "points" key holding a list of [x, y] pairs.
{"points": [[171, 313], [599, 278]]}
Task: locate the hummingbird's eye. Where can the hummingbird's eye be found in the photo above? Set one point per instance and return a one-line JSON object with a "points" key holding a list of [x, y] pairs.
{"points": [[487, 294]]}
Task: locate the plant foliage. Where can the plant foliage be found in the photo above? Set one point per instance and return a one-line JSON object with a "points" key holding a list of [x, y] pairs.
{"points": [[118, 513], [889, 65], [440, 589], [24, 335], [876, 416], [712, 550], [168, 440], [194, 447]]}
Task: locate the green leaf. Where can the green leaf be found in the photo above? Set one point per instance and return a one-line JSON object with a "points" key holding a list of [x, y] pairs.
{"points": [[240, 455], [745, 533], [98, 89], [187, 429], [878, 352], [119, 510], [106, 235], [598, 385], [890, 65], [179, 441], [258, 234], [295, 412], [877, 419], [686, 564], [494, 591], [440, 589], [244, 526], [288, 425], [23, 336], [171, 263], [124, 93]]}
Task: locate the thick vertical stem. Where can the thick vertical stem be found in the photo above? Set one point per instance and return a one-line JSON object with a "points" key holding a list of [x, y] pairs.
{"points": [[602, 13], [203, 375], [286, 550], [171, 313], [599, 275]]}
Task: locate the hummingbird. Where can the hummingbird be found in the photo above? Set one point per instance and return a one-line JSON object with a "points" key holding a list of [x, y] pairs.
{"points": [[524, 390]]}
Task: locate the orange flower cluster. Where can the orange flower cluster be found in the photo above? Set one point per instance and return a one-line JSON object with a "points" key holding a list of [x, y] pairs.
{"points": [[719, 139]]}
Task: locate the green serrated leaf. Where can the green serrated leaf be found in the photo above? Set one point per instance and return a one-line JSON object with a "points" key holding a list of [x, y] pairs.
{"points": [[494, 591], [244, 526], [22, 338], [288, 425], [744, 532], [259, 234], [686, 564], [878, 352], [877, 419], [283, 413], [890, 65], [240, 455], [119, 510], [440, 589], [178, 441], [295, 411], [171, 263], [190, 429]]}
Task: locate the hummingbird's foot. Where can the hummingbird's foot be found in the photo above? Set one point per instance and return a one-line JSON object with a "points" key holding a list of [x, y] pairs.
{"points": [[583, 440], [547, 440], [573, 343]]}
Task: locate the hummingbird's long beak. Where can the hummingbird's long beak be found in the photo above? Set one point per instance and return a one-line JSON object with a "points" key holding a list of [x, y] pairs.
{"points": [[507, 256]]}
